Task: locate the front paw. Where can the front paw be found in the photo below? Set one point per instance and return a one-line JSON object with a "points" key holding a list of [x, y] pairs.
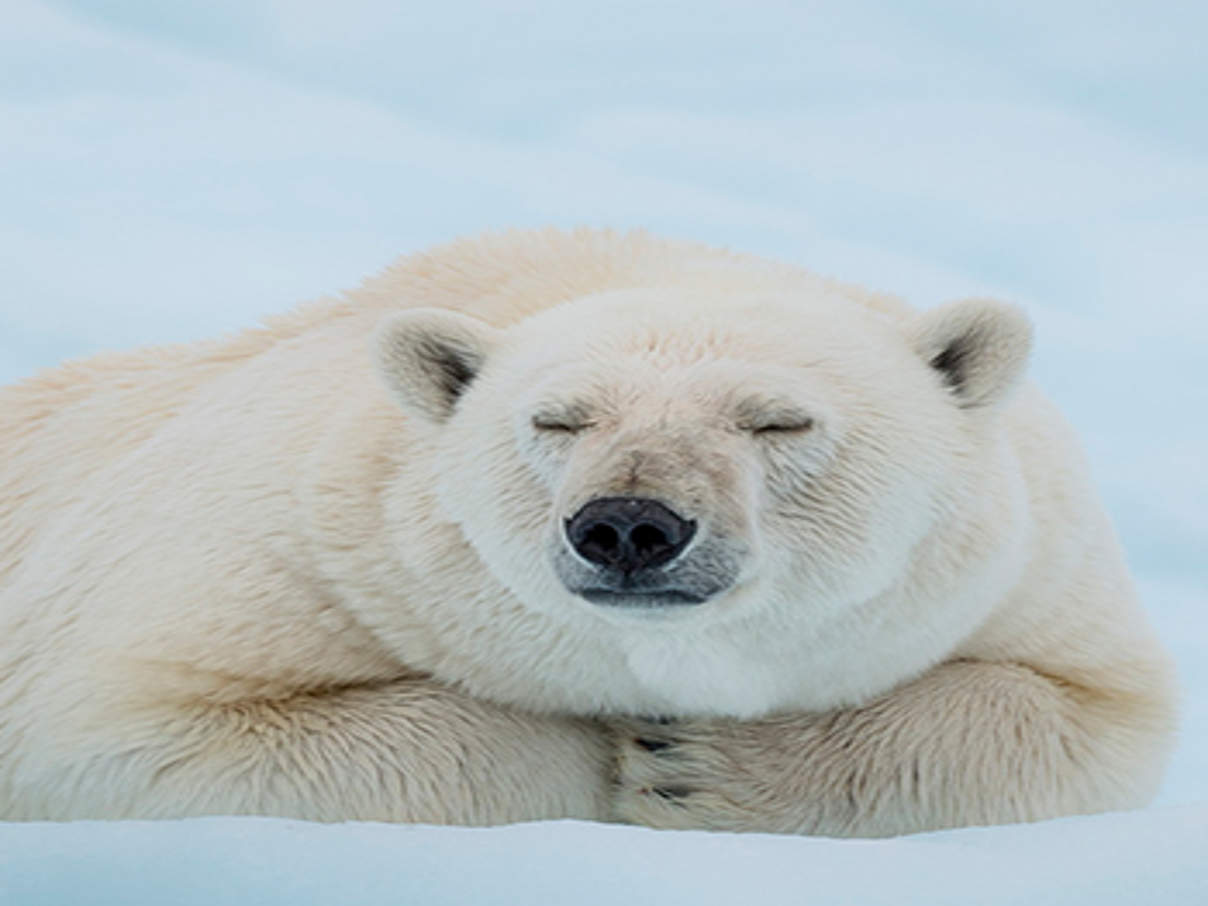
{"points": [[714, 775]]}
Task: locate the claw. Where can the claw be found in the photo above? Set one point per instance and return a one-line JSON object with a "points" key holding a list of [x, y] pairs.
{"points": [[671, 793], [651, 745], [657, 719]]}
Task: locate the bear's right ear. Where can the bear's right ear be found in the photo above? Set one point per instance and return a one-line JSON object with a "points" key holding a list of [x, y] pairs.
{"points": [[428, 356], [979, 348]]}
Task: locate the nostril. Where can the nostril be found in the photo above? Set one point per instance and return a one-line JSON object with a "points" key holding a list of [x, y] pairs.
{"points": [[600, 544], [649, 541]]}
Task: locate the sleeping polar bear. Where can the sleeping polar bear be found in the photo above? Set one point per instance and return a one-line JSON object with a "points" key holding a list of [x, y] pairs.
{"points": [[579, 525]]}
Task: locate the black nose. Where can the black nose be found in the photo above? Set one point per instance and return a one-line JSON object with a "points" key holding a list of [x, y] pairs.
{"points": [[628, 533]]}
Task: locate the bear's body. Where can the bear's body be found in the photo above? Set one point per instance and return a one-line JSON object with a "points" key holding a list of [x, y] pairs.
{"points": [[240, 577]]}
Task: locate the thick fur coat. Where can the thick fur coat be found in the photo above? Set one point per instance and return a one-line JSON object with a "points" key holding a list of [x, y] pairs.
{"points": [[329, 568]]}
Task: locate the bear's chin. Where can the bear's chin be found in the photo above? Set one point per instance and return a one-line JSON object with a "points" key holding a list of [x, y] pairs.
{"points": [[665, 598]]}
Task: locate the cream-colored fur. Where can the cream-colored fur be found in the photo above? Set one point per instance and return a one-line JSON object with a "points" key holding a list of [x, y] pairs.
{"points": [[320, 569]]}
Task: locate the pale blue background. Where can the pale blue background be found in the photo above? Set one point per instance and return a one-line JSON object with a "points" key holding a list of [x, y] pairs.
{"points": [[170, 170]]}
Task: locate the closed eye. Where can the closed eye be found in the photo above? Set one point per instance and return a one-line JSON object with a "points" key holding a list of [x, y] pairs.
{"points": [[560, 424], [763, 419], [785, 426]]}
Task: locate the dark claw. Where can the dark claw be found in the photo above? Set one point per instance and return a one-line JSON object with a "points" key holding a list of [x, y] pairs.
{"points": [[652, 745], [656, 719], [671, 793]]}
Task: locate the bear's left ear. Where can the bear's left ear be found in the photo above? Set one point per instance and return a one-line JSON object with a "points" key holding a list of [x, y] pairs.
{"points": [[429, 356], [979, 347]]}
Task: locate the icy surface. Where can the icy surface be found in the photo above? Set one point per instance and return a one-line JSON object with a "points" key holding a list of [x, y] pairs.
{"points": [[172, 170], [1159, 856]]}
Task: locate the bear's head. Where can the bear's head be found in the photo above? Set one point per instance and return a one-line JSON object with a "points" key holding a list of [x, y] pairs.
{"points": [[665, 459]]}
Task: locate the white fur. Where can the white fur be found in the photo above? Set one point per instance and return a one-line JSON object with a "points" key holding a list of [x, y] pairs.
{"points": [[268, 575]]}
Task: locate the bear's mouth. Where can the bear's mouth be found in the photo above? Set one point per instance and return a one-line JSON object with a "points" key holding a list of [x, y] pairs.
{"points": [[695, 578], [664, 597]]}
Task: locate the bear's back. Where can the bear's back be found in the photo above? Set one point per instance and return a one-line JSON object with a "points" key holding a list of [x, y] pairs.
{"points": [[60, 427]]}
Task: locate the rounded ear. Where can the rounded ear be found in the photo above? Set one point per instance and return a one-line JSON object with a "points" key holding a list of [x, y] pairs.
{"points": [[979, 347], [428, 357]]}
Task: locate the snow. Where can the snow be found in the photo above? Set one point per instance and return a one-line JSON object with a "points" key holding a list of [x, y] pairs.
{"points": [[173, 170], [1154, 857]]}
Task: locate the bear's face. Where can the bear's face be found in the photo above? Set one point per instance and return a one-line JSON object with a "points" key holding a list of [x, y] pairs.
{"points": [[653, 459]]}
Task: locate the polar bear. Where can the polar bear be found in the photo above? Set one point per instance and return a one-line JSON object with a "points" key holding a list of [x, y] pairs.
{"points": [[586, 525]]}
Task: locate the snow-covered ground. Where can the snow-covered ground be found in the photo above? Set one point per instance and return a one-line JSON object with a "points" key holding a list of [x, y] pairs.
{"points": [[172, 170], [1149, 858]]}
